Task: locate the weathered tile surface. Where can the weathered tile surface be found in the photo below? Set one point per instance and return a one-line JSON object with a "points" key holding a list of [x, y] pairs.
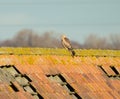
{"points": [[81, 77]]}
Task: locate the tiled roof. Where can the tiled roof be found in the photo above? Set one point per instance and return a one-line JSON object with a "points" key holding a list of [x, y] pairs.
{"points": [[59, 77]]}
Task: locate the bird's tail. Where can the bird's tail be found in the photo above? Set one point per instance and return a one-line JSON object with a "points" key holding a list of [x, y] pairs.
{"points": [[73, 53]]}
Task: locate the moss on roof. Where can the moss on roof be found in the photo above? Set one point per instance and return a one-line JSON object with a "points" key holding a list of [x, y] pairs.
{"points": [[37, 73], [58, 51]]}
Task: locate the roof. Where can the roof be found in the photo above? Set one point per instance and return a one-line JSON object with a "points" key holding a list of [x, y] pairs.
{"points": [[37, 76]]}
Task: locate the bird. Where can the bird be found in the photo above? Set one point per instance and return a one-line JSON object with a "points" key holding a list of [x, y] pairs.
{"points": [[67, 45]]}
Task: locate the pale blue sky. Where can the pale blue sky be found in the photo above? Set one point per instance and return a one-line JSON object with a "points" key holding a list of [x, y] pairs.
{"points": [[75, 18]]}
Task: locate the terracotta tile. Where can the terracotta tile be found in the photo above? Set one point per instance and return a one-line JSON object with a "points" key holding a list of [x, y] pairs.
{"points": [[114, 94], [93, 95], [116, 85], [86, 96], [69, 78], [22, 96], [7, 96], [82, 73], [18, 86], [105, 95], [118, 68], [80, 88], [39, 87], [109, 70]]}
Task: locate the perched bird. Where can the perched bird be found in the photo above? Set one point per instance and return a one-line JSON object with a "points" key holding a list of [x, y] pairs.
{"points": [[66, 44]]}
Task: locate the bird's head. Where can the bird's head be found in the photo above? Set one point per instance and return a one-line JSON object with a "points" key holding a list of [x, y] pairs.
{"points": [[63, 36]]}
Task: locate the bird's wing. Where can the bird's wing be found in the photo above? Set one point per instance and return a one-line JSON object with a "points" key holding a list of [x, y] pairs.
{"points": [[67, 40], [67, 44]]}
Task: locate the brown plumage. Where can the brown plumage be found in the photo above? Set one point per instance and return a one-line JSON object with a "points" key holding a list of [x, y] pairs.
{"points": [[66, 44]]}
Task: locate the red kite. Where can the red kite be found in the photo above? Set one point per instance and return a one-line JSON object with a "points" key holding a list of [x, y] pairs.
{"points": [[66, 44]]}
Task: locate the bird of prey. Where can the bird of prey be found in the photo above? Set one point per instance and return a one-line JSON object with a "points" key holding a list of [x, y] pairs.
{"points": [[67, 45]]}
